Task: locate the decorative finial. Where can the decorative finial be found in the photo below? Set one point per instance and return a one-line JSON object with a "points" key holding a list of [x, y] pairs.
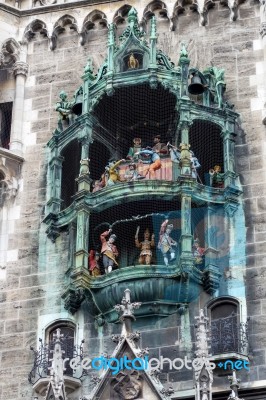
{"points": [[203, 373], [153, 28], [89, 67], [234, 385], [126, 309], [183, 51]]}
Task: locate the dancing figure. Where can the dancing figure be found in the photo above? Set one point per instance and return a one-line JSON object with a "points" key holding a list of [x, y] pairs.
{"points": [[109, 251], [145, 246], [166, 243]]}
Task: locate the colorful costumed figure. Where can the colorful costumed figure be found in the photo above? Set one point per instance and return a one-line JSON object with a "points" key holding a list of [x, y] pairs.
{"points": [[113, 172], [145, 246], [158, 147], [166, 243], [94, 265], [134, 149], [109, 251], [217, 178], [194, 165], [175, 154], [150, 157], [198, 252], [132, 174]]}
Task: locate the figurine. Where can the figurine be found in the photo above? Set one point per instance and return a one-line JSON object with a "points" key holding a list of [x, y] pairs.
{"points": [[217, 178], [64, 109], [166, 243], [159, 148], [132, 173], [198, 252], [113, 172], [109, 251], [175, 154], [153, 159], [133, 63], [219, 83], [135, 149], [145, 246], [194, 166], [94, 265]]}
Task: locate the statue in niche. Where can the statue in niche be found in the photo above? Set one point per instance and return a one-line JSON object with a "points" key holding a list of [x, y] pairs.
{"points": [[94, 263], [152, 159], [145, 246], [132, 174], [158, 147], [133, 62], [217, 178], [112, 172], [166, 244], [109, 251], [134, 149], [198, 252], [64, 108]]}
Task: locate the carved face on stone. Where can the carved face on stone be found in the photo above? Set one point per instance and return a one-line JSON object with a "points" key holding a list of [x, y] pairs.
{"points": [[127, 385]]}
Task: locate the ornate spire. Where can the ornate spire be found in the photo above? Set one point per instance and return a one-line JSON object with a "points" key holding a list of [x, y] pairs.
{"points": [[203, 374], [234, 385], [56, 385], [133, 27], [126, 309]]}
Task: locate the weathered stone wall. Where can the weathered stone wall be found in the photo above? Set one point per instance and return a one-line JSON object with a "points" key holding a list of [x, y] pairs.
{"points": [[30, 293]]}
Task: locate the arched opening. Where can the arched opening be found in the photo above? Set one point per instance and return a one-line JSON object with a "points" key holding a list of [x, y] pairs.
{"points": [[138, 111], [99, 156], [206, 143], [70, 171], [5, 124], [67, 332], [224, 320]]}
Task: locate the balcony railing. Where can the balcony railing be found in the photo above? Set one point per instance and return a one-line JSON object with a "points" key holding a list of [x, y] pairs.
{"points": [[43, 358], [228, 335]]}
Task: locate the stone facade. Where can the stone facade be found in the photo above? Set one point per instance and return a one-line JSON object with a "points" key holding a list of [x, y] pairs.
{"points": [[33, 268]]}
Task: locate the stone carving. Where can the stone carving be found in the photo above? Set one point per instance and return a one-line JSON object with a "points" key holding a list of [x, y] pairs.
{"points": [[60, 27], [234, 385], [35, 27], [9, 53], [127, 384], [39, 3], [20, 68]]}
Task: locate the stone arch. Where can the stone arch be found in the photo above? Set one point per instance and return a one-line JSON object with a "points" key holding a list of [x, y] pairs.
{"points": [[121, 14], [178, 9], [36, 26], [94, 20], [9, 53], [60, 27], [155, 7]]}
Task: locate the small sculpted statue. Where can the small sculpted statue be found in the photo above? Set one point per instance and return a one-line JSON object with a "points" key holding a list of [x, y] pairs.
{"points": [[109, 251], [217, 178], [132, 173], [134, 149], [94, 265], [133, 63], [198, 252], [219, 83], [112, 171], [63, 107], [152, 159], [145, 246], [166, 243], [158, 147]]}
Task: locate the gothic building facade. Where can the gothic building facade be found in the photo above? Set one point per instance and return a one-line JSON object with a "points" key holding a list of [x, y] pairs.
{"points": [[132, 200]]}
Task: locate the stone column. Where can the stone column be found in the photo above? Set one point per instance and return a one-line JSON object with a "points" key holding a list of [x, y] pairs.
{"points": [[54, 184], [186, 236], [83, 179], [20, 71], [82, 241]]}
